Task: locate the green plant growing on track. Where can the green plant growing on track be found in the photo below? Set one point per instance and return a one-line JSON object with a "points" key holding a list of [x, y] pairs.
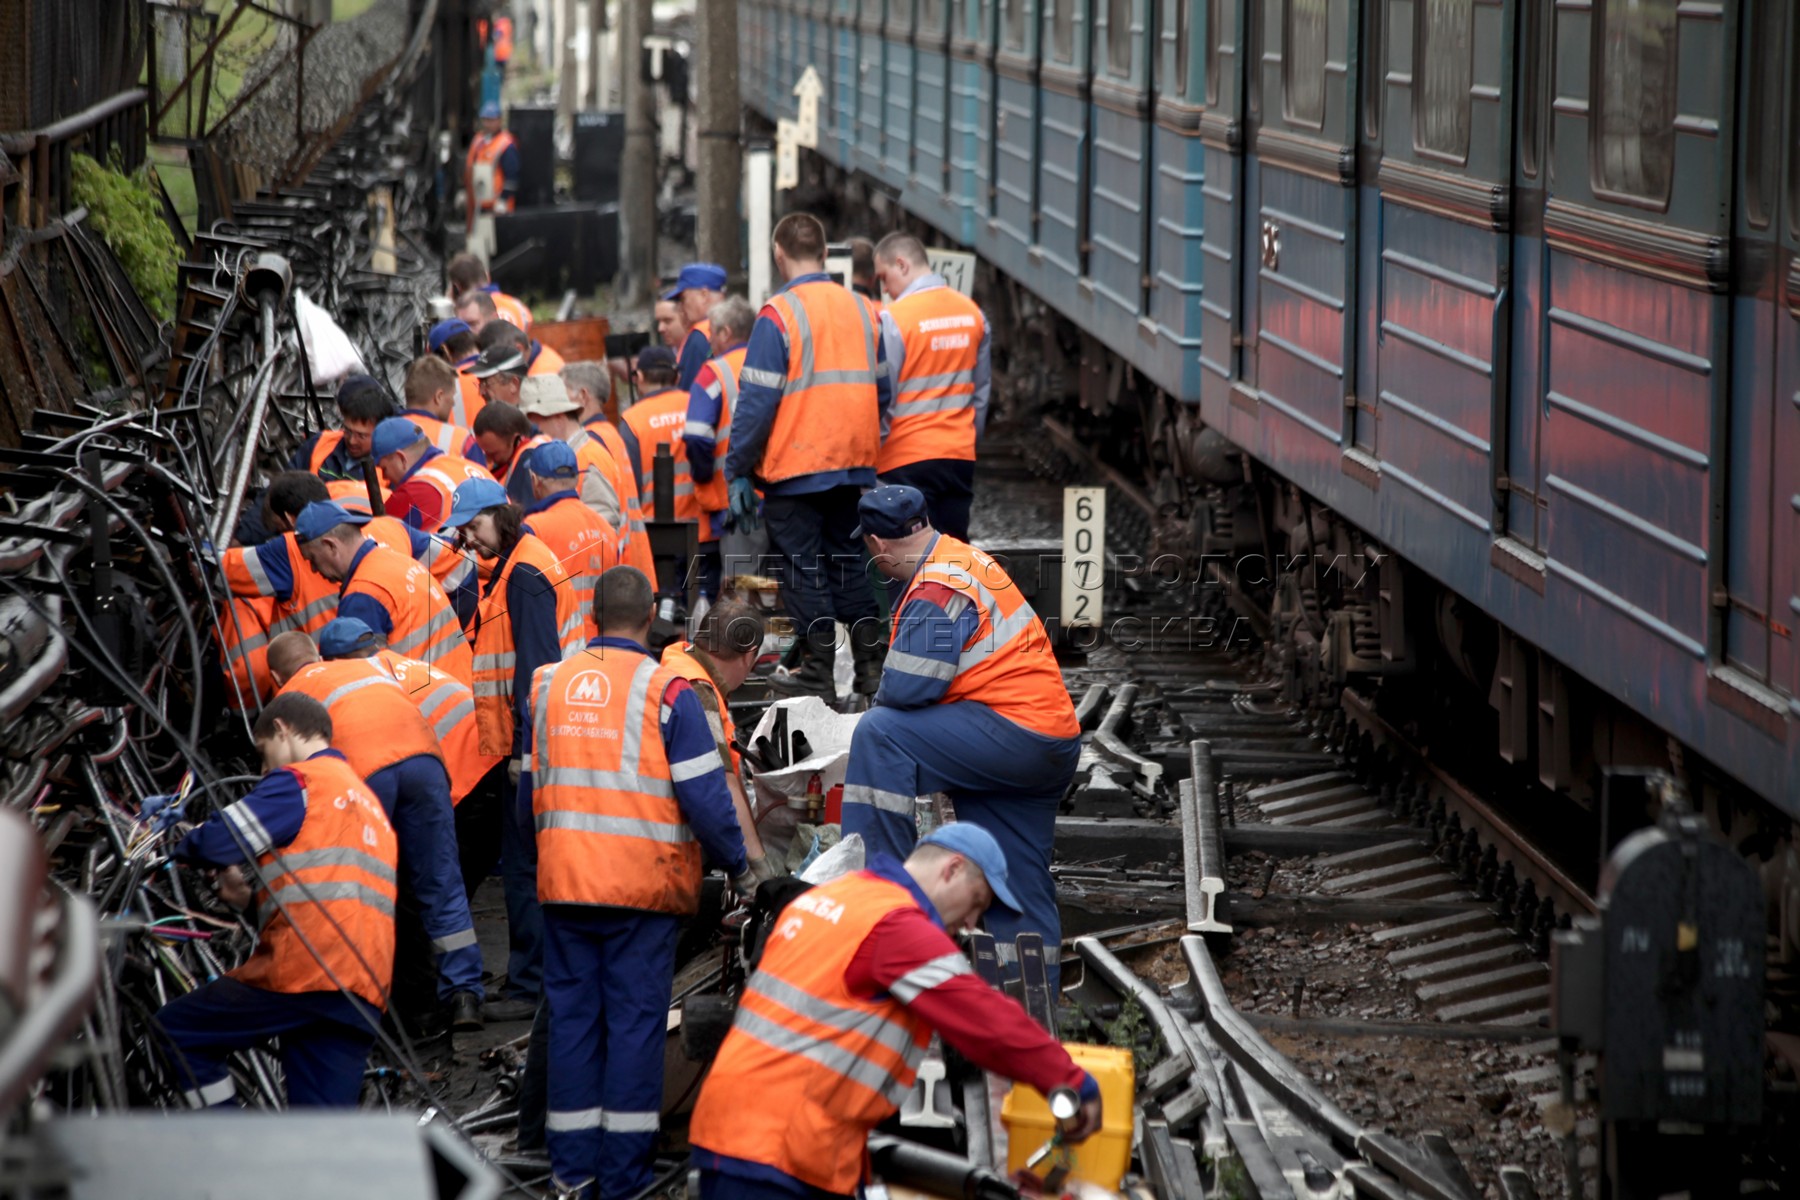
{"points": [[1230, 1180], [127, 214], [1130, 1030]]}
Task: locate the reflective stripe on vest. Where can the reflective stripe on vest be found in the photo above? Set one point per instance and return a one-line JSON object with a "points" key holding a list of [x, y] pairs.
{"points": [[442, 434], [1008, 664], [326, 899], [933, 415], [444, 473], [828, 418], [826, 1065], [657, 421], [496, 659], [680, 657], [713, 494], [603, 786], [328, 441], [425, 626], [374, 722], [634, 540], [448, 707], [585, 545]]}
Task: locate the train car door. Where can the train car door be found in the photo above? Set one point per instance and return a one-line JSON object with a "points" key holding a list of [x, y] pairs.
{"points": [[1015, 199], [1225, 235], [1762, 530], [1302, 225], [902, 98]]}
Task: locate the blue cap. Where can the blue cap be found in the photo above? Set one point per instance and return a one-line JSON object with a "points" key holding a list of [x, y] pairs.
{"points": [[395, 433], [344, 636], [710, 276], [890, 511], [554, 460], [473, 497], [322, 516], [656, 357], [443, 331], [490, 110], [979, 847]]}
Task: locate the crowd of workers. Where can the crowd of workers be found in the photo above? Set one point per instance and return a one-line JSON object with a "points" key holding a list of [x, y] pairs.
{"points": [[442, 612]]}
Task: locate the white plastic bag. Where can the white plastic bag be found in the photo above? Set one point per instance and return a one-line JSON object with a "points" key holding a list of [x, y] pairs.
{"points": [[329, 351], [841, 859]]}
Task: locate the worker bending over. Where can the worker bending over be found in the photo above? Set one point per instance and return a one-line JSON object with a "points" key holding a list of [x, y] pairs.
{"points": [[626, 789], [971, 703], [832, 1026], [433, 394], [420, 477], [937, 347], [313, 842], [806, 429], [381, 732], [336, 454]]}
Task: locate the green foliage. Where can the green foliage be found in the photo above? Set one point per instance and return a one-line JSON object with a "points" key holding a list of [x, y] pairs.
{"points": [[126, 212], [1130, 1030]]}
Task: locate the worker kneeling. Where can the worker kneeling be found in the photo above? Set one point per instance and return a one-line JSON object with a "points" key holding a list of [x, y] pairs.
{"points": [[626, 788], [324, 857], [971, 703], [832, 1026]]}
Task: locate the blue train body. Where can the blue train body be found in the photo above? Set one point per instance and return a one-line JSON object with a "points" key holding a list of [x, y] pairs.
{"points": [[1514, 287]]}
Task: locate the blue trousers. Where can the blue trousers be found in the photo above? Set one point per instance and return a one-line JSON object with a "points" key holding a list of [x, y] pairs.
{"points": [[722, 1185], [518, 881], [822, 563], [608, 975], [324, 1040], [416, 794], [949, 488], [1002, 777]]}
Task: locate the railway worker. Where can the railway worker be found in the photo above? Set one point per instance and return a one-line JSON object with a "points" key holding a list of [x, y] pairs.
{"points": [[384, 589], [324, 958], [502, 431], [582, 541], [381, 732], [971, 703], [589, 384], [807, 428], [671, 330], [626, 790], [477, 310], [706, 433], [840, 1010], [468, 273], [433, 393], [491, 173], [696, 290], [555, 417], [527, 618], [448, 706], [864, 280], [718, 660], [454, 342], [420, 477], [656, 420], [336, 454], [937, 348], [539, 358]]}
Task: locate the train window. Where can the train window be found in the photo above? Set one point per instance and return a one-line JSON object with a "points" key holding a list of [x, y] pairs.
{"points": [[1634, 100], [1118, 36], [1443, 41], [1062, 30], [1374, 75], [1762, 140], [1303, 62], [1012, 17]]}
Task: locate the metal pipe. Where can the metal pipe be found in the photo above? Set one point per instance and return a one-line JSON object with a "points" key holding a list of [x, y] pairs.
{"points": [[259, 407], [24, 142]]}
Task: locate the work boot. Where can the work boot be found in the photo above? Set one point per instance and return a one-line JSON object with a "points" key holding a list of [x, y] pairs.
{"points": [[868, 647], [465, 1013], [813, 677]]}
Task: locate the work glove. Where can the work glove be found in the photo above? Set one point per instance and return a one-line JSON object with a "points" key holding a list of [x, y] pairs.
{"points": [[514, 768], [745, 884], [162, 812], [743, 506], [766, 868]]}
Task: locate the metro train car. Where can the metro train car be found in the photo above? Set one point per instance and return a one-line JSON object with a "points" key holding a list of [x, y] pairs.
{"points": [[1508, 288]]}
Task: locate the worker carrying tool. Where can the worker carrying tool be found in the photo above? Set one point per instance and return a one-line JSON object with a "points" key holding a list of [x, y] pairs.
{"points": [[697, 288], [382, 734], [384, 589], [938, 349], [832, 1026], [324, 860], [626, 789], [972, 703], [812, 394]]}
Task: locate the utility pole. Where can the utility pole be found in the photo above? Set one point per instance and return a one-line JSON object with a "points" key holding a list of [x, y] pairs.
{"points": [[720, 171], [637, 171], [596, 35], [570, 77]]}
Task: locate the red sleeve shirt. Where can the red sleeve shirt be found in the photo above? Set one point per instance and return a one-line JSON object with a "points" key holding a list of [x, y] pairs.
{"points": [[417, 503]]}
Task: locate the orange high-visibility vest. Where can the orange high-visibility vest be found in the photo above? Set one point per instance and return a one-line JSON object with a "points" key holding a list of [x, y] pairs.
{"points": [[547, 362], [503, 474], [322, 449], [713, 495], [609, 830], [512, 310], [825, 1064], [425, 626], [496, 656], [469, 400], [243, 633], [1008, 664], [488, 149], [354, 493], [583, 543], [444, 472], [325, 909], [657, 420], [448, 706], [634, 539], [679, 657], [446, 436], [934, 397], [503, 40], [374, 723], [829, 418]]}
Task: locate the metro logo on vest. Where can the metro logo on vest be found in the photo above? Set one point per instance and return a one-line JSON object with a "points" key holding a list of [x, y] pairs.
{"points": [[590, 688]]}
